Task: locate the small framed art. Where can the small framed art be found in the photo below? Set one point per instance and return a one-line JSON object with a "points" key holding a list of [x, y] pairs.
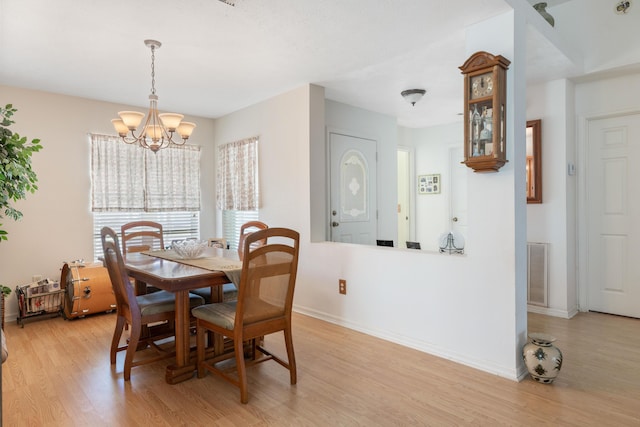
{"points": [[429, 184]]}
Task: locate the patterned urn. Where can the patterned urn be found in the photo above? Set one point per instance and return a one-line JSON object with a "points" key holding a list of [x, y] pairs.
{"points": [[542, 358]]}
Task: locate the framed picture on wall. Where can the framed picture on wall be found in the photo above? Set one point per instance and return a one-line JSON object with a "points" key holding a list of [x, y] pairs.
{"points": [[429, 184]]}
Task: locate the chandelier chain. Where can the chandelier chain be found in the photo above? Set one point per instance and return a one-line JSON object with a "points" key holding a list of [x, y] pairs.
{"points": [[153, 70]]}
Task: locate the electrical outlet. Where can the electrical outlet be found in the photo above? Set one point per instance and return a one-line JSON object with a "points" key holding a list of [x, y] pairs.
{"points": [[342, 286]]}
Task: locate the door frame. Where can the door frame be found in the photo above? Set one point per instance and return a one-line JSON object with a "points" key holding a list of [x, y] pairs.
{"points": [[582, 218], [411, 183]]}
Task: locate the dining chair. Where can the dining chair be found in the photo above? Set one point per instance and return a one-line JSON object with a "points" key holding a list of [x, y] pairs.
{"points": [[136, 311], [265, 299], [140, 236], [413, 245], [384, 243], [246, 229]]}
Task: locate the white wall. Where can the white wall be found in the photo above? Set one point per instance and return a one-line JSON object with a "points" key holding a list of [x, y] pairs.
{"points": [[282, 124], [451, 306], [549, 221], [57, 225]]}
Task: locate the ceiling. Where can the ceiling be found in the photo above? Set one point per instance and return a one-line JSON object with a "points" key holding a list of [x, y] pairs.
{"points": [[216, 58]]}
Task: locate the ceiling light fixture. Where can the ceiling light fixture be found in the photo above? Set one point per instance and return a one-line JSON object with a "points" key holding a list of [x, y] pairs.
{"points": [[158, 129], [623, 6], [413, 95]]}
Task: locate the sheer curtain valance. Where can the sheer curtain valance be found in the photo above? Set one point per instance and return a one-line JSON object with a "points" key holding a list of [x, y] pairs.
{"points": [[237, 183], [128, 178]]}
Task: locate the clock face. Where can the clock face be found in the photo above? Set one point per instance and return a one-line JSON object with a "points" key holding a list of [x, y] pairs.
{"points": [[482, 85]]}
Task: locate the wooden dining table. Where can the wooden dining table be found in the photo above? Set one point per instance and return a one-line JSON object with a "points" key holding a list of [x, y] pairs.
{"points": [[179, 278]]}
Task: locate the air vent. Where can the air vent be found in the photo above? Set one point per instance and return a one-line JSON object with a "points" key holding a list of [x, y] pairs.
{"points": [[537, 274]]}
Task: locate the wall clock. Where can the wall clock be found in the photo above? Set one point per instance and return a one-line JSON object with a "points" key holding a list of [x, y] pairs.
{"points": [[485, 77]]}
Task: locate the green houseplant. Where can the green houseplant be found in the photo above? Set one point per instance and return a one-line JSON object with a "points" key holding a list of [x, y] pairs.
{"points": [[17, 178]]}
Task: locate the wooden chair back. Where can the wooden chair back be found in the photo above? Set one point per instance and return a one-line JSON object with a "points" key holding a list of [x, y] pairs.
{"points": [[126, 301], [246, 229], [139, 236], [265, 293]]}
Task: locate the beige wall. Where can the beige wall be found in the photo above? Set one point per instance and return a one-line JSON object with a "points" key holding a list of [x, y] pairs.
{"points": [[57, 225]]}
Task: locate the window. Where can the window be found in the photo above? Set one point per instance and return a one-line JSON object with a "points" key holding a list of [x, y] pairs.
{"points": [[232, 221], [175, 225], [238, 192], [129, 183]]}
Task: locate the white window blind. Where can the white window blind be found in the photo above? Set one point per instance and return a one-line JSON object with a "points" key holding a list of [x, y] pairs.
{"points": [[231, 222], [175, 225]]}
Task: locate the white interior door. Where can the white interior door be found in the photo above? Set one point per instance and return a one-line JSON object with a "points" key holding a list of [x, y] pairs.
{"points": [[353, 189], [613, 215]]}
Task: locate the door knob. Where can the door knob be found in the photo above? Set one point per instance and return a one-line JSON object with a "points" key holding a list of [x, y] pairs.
{"points": [[335, 224], [454, 219]]}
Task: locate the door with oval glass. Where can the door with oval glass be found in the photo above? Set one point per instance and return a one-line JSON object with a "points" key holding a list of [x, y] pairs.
{"points": [[353, 189]]}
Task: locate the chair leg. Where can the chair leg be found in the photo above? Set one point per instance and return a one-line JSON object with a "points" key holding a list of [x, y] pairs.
{"points": [[115, 341], [131, 350], [288, 339], [200, 335], [238, 345]]}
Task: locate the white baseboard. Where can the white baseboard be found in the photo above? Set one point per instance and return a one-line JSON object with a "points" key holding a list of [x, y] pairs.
{"points": [[482, 365], [551, 311]]}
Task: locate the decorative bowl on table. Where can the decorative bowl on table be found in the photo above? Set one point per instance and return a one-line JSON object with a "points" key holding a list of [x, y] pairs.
{"points": [[189, 249]]}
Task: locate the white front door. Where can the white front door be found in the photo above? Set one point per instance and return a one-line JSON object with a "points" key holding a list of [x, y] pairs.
{"points": [[613, 215], [353, 189]]}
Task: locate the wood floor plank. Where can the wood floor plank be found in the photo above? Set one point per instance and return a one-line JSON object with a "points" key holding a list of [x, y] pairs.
{"points": [[58, 374]]}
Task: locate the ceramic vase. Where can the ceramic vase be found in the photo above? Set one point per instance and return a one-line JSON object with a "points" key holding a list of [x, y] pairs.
{"points": [[542, 10], [542, 359]]}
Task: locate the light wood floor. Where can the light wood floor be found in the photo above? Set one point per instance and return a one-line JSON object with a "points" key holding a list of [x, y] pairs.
{"points": [[58, 374]]}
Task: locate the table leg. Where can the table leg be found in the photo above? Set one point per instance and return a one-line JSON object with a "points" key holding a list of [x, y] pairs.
{"points": [[183, 369], [141, 287]]}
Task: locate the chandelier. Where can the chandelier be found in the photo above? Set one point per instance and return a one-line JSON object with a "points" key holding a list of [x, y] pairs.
{"points": [[158, 129]]}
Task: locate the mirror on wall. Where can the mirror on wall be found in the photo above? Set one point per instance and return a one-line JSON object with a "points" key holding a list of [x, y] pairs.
{"points": [[534, 161]]}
